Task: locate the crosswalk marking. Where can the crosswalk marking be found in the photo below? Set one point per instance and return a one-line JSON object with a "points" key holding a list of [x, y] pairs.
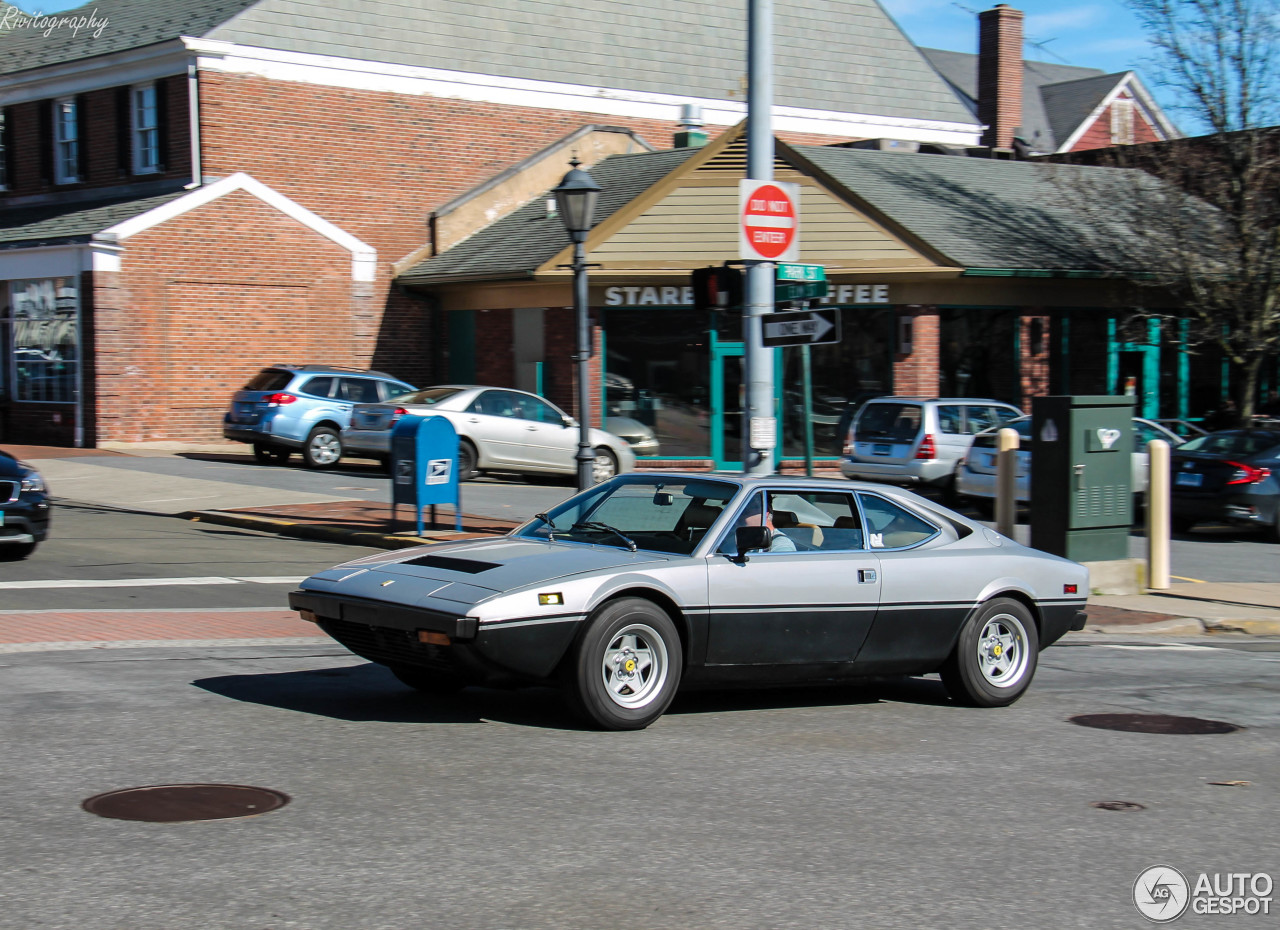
{"points": [[145, 582]]}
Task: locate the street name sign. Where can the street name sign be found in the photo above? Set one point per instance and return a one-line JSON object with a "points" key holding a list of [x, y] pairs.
{"points": [[769, 221], [801, 328], [799, 282]]}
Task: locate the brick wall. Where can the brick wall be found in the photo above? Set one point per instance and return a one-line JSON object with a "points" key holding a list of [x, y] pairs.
{"points": [[192, 315], [1000, 74], [917, 373], [100, 153], [1034, 365]]}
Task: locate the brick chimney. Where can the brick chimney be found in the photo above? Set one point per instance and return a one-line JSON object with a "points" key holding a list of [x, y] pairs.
{"points": [[1000, 74]]}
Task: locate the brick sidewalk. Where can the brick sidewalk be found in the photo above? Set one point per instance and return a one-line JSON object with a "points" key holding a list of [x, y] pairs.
{"points": [[105, 626]]}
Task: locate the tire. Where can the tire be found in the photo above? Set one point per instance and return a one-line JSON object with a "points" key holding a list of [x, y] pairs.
{"points": [[323, 448], [995, 657], [467, 459], [605, 676], [427, 681], [16, 553], [1181, 525], [604, 466], [269, 455]]}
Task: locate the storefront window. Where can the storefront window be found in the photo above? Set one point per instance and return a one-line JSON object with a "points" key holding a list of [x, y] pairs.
{"points": [[45, 339], [843, 374], [979, 354], [657, 373]]}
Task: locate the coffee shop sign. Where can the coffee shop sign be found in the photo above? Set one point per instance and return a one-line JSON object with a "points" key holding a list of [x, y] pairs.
{"points": [[683, 296]]}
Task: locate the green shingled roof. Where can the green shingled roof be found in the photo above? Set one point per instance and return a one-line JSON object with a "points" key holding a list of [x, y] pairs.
{"points": [[517, 244], [66, 223]]}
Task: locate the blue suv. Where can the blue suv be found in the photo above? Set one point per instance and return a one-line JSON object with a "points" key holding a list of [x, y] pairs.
{"points": [[303, 408]]}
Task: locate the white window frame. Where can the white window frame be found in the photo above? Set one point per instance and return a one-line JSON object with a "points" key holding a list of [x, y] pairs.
{"points": [[66, 141], [1122, 117], [144, 127]]}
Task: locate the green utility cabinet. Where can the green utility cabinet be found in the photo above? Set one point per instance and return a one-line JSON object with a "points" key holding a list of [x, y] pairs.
{"points": [[1082, 476]]}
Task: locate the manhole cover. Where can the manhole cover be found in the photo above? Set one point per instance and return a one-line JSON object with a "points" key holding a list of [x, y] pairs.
{"points": [[1153, 723], [180, 803], [1118, 805]]}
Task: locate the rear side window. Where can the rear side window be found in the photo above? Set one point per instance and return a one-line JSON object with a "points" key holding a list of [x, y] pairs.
{"points": [[890, 526], [318, 387], [949, 419], [358, 390], [889, 421], [390, 389], [269, 379]]}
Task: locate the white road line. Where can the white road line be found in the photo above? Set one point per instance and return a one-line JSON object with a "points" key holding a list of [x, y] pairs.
{"points": [[142, 582], [9, 648]]}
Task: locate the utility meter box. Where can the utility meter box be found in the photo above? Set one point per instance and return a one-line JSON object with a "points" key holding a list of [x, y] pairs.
{"points": [[1082, 476]]}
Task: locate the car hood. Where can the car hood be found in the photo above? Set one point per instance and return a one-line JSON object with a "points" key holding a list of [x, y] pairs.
{"points": [[460, 575]]}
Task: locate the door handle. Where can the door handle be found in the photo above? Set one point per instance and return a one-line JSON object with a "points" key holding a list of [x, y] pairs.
{"points": [[531, 429], [473, 419], [866, 576], [1079, 473]]}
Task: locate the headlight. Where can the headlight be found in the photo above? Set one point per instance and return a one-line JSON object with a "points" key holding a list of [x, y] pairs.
{"points": [[32, 481]]}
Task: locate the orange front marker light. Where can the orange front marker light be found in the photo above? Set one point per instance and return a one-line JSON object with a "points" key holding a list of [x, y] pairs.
{"points": [[551, 600], [309, 616], [1070, 588], [432, 638]]}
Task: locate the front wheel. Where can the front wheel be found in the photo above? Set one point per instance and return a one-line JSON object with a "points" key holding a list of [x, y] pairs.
{"points": [[995, 657], [323, 448], [466, 460], [604, 466], [625, 668]]}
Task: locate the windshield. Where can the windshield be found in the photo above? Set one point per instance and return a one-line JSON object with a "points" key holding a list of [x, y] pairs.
{"points": [[658, 513], [426, 397]]}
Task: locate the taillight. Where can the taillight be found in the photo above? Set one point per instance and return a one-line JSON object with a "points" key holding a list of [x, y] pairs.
{"points": [[279, 399], [927, 449], [398, 413], [1247, 474]]}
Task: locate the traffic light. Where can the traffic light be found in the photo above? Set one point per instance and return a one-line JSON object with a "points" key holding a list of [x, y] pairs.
{"points": [[718, 287]]}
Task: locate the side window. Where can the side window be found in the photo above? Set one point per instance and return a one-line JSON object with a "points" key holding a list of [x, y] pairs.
{"points": [[358, 390], [949, 420], [980, 418], [537, 409], [1005, 414], [494, 404], [890, 526], [318, 387]]}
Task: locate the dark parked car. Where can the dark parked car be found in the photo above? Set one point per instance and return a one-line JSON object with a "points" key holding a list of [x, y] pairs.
{"points": [[24, 508], [1228, 476]]}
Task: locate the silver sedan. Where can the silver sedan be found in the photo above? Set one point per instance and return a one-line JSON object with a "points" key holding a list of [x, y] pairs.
{"points": [[652, 582], [499, 429]]}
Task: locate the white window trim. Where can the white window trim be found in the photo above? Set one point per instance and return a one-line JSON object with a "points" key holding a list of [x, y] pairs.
{"points": [[135, 131], [59, 177]]}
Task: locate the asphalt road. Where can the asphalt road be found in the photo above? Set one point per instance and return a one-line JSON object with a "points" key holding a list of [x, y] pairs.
{"points": [[877, 807]]}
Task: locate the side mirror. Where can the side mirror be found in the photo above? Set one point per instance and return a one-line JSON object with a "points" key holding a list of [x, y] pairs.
{"points": [[568, 421], [752, 537]]}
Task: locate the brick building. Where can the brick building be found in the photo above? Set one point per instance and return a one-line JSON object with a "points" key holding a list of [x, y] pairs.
{"points": [[193, 189]]}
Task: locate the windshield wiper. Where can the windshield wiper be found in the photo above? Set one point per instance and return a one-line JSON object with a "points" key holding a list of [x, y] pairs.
{"points": [[605, 527], [551, 526]]}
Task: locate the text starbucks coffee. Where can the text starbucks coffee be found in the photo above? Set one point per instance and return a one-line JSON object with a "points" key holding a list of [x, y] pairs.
{"points": [[670, 296]]}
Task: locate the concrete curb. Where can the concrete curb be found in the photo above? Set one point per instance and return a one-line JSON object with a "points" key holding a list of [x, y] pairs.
{"points": [[1180, 626]]}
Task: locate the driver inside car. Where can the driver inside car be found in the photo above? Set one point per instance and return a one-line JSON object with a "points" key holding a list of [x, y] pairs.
{"points": [[752, 516]]}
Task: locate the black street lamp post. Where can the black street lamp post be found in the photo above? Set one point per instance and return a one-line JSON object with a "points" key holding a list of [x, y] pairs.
{"points": [[576, 199]]}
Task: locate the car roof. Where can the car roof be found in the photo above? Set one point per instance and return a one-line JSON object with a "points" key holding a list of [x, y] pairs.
{"points": [[920, 399], [334, 369]]}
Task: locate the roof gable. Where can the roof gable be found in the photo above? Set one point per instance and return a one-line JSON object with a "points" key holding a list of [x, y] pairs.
{"points": [[1071, 103]]}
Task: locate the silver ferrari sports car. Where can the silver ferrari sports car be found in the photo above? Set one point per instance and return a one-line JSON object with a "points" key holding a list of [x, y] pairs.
{"points": [[651, 582]]}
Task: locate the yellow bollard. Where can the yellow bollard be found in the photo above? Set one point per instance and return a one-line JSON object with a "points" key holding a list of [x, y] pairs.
{"points": [[1158, 523], [1007, 443]]}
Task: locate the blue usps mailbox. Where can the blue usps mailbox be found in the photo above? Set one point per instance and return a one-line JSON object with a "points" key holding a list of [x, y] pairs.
{"points": [[424, 467]]}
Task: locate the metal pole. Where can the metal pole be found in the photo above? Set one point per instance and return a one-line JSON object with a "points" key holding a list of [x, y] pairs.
{"points": [[806, 377], [1007, 481], [585, 456], [1158, 523], [760, 426]]}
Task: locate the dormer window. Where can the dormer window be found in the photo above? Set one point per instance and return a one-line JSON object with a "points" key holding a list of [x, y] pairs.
{"points": [[66, 141], [146, 130]]}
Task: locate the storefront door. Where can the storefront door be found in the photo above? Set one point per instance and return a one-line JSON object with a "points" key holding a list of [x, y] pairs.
{"points": [[727, 389]]}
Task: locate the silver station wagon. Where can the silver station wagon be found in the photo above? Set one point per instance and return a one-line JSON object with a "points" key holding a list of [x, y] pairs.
{"points": [[651, 582]]}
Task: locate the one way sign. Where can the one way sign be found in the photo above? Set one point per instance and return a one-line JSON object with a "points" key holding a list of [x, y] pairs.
{"points": [[801, 328]]}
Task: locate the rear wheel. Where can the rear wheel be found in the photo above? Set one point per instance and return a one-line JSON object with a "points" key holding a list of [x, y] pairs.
{"points": [[625, 668], [995, 657], [1182, 524], [604, 466], [467, 459], [323, 448], [269, 455], [428, 681]]}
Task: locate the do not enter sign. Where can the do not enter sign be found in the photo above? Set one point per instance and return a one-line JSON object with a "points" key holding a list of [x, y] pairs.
{"points": [[769, 229]]}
